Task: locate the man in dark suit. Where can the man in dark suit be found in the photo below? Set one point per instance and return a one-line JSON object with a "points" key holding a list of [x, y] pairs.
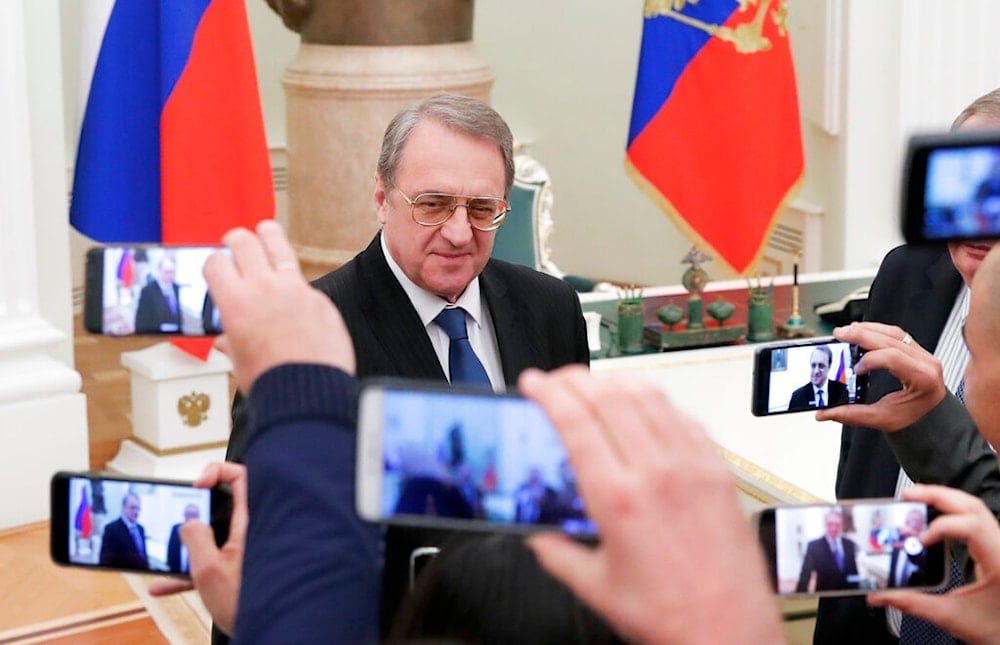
{"points": [[830, 558], [820, 391], [916, 289], [443, 177], [159, 309], [123, 543], [924, 291], [177, 560]]}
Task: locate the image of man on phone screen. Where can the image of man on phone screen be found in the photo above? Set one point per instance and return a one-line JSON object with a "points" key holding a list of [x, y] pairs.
{"points": [[830, 562], [124, 541], [159, 302], [820, 391]]}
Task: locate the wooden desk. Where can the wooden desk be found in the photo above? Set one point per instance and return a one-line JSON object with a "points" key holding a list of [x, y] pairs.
{"points": [[784, 458]]}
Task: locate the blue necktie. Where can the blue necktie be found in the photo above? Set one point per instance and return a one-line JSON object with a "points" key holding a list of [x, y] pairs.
{"points": [[168, 294], [463, 363], [819, 398], [137, 539], [838, 555]]}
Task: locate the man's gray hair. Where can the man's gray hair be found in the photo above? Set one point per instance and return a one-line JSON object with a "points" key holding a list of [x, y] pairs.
{"points": [[462, 114]]}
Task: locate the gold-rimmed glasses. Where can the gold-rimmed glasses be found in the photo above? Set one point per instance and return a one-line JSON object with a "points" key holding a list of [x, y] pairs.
{"points": [[434, 209]]}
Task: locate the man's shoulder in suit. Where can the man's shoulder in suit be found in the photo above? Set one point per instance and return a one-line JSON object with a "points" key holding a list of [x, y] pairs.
{"points": [[528, 281]]}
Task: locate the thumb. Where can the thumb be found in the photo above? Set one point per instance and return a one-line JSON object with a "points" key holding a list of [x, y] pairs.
{"points": [[199, 540], [932, 608], [169, 587], [573, 564]]}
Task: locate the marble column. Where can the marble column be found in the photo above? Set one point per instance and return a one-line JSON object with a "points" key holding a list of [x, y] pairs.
{"points": [[43, 416]]}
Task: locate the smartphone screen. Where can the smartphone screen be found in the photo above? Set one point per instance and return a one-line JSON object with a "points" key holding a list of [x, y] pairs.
{"points": [[804, 375], [107, 522], [462, 459], [149, 290], [849, 548], [952, 187]]}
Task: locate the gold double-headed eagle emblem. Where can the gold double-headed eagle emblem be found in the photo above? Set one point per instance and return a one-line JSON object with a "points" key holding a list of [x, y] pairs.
{"points": [[747, 37], [192, 408]]}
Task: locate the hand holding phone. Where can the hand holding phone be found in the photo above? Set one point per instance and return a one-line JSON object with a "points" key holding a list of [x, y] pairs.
{"points": [[850, 548], [887, 347], [667, 509], [974, 618], [126, 524], [806, 375], [453, 458]]}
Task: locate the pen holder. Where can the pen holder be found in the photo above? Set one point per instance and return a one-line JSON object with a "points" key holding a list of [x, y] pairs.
{"points": [[630, 325], [760, 317]]}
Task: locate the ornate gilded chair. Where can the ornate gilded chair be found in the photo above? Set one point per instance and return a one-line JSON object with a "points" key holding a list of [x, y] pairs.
{"points": [[524, 236]]}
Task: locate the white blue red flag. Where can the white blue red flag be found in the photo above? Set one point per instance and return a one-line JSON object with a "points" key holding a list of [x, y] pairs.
{"points": [[715, 137], [172, 147]]}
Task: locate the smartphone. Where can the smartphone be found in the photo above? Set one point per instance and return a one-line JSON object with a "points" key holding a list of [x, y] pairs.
{"points": [[103, 521], [438, 456], [804, 375], [951, 187], [149, 290], [849, 548]]}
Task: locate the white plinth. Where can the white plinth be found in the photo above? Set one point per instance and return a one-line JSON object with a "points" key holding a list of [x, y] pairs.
{"points": [[180, 413], [179, 403]]}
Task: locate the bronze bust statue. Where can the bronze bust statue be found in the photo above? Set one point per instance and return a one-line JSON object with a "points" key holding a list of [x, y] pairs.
{"points": [[377, 22]]}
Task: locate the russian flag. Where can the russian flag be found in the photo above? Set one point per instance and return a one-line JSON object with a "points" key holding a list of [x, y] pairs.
{"points": [[83, 522], [842, 370], [715, 137], [172, 147], [126, 269]]}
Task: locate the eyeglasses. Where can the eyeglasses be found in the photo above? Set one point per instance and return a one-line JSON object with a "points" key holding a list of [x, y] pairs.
{"points": [[434, 209]]}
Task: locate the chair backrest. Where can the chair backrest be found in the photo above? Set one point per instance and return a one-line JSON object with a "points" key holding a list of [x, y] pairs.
{"points": [[523, 238]]}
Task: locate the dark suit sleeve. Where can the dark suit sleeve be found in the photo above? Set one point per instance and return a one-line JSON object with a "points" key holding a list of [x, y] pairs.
{"points": [[239, 435], [838, 393], [174, 549], [800, 398], [851, 555], [968, 464], [311, 566], [147, 320], [808, 566]]}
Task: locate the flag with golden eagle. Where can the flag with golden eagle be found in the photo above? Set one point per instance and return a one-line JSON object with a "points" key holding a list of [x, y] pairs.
{"points": [[715, 137]]}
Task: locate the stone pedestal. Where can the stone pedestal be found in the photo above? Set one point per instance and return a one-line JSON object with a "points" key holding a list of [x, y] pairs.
{"points": [[180, 413], [339, 100]]}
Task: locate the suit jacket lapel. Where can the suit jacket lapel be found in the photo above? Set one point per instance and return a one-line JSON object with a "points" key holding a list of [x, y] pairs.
{"points": [[401, 334], [515, 346], [928, 309]]}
